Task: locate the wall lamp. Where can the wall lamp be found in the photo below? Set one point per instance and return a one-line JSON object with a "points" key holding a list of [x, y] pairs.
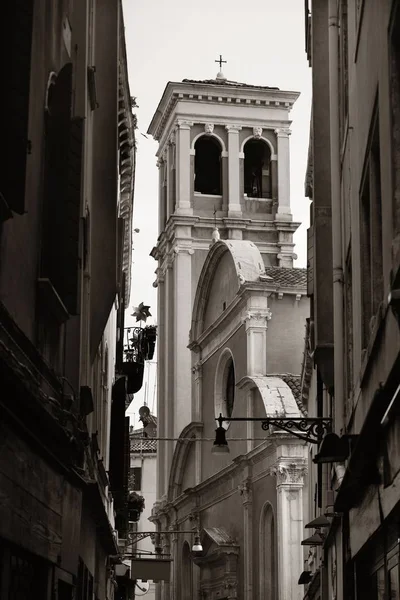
{"points": [[317, 539], [306, 575], [137, 536], [334, 448], [309, 429]]}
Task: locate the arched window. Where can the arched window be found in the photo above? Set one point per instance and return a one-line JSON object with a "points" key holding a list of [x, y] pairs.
{"points": [[268, 554], [187, 573], [224, 386], [230, 388], [257, 169], [207, 166]]}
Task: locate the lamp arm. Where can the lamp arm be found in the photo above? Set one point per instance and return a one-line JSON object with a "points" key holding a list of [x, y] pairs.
{"points": [[309, 429]]}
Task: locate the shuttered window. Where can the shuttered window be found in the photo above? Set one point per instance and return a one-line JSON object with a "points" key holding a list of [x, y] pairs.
{"points": [[16, 72], [62, 190]]}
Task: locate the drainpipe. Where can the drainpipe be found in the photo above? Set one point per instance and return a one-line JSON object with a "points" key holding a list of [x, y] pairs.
{"points": [[338, 330]]}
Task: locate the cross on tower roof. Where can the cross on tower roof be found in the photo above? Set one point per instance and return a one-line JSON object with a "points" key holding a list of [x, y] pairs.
{"points": [[220, 61]]}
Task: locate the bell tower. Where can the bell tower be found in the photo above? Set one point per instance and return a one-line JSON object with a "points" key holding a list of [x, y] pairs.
{"points": [[224, 171]]}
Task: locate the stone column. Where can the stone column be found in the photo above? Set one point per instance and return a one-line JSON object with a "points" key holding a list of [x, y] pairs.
{"points": [[183, 199], [290, 473], [161, 487], [250, 424], [247, 498], [255, 321], [234, 208], [274, 177], [171, 176], [162, 179], [283, 173], [182, 393], [166, 395]]}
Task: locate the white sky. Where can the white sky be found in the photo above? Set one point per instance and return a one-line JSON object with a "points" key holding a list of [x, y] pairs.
{"points": [[263, 42]]}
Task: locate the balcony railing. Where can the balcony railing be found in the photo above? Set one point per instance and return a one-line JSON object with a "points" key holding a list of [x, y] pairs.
{"points": [[139, 346]]}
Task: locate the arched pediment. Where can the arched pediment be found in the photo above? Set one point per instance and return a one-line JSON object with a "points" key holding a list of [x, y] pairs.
{"points": [[229, 264], [182, 451], [276, 396]]}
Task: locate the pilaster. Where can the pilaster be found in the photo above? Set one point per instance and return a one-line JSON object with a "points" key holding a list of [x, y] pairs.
{"points": [[197, 371], [234, 207], [161, 379], [247, 499], [290, 474], [274, 177], [283, 173], [183, 203], [182, 407], [255, 320]]}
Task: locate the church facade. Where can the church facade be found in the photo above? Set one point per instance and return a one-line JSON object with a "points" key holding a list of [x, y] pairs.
{"points": [[232, 311]]}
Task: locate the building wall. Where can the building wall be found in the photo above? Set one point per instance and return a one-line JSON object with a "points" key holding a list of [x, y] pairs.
{"points": [[362, 170], [58, 312]]}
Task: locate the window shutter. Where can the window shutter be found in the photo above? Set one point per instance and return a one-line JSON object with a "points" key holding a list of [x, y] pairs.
{"points": [[72, 205], [64, 152], [17, 30]]}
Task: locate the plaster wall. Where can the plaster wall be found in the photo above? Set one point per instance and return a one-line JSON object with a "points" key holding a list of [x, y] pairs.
{"points": [[148, 463], [285, 335], [223, 289]]}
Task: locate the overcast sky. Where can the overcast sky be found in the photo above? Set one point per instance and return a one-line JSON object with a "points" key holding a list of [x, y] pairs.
{"points": [[263, 42]]}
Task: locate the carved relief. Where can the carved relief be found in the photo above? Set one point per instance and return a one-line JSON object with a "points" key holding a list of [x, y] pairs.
{"points": [[289, 473], [257, 132], [209, 128], [246, 492], [258, 315]]}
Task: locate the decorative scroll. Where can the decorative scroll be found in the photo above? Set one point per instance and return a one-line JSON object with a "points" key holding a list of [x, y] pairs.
{"points": [[310, 430]]}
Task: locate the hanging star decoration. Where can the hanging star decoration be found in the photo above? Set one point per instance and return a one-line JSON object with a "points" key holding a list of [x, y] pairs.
{"points": [[141, 312]]}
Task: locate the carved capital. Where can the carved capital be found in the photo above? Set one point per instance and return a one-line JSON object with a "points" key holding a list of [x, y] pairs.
{"points": [[185, 124], [283, 132], [233, 128], [289, 473], [258, 316], [183, 250]]}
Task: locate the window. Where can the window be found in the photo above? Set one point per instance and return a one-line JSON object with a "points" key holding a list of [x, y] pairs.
{"points": [[224, 386], [135, 479], [257, 169], [207, 166], [62, 191], [230, 388], [371, 236]]}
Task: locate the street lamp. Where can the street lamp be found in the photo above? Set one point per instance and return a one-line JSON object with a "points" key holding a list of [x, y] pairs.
{"points": [[309, 429]]}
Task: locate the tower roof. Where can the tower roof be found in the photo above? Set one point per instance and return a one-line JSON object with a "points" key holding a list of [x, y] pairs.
{"points": [[227, 83], [186, 98]]}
